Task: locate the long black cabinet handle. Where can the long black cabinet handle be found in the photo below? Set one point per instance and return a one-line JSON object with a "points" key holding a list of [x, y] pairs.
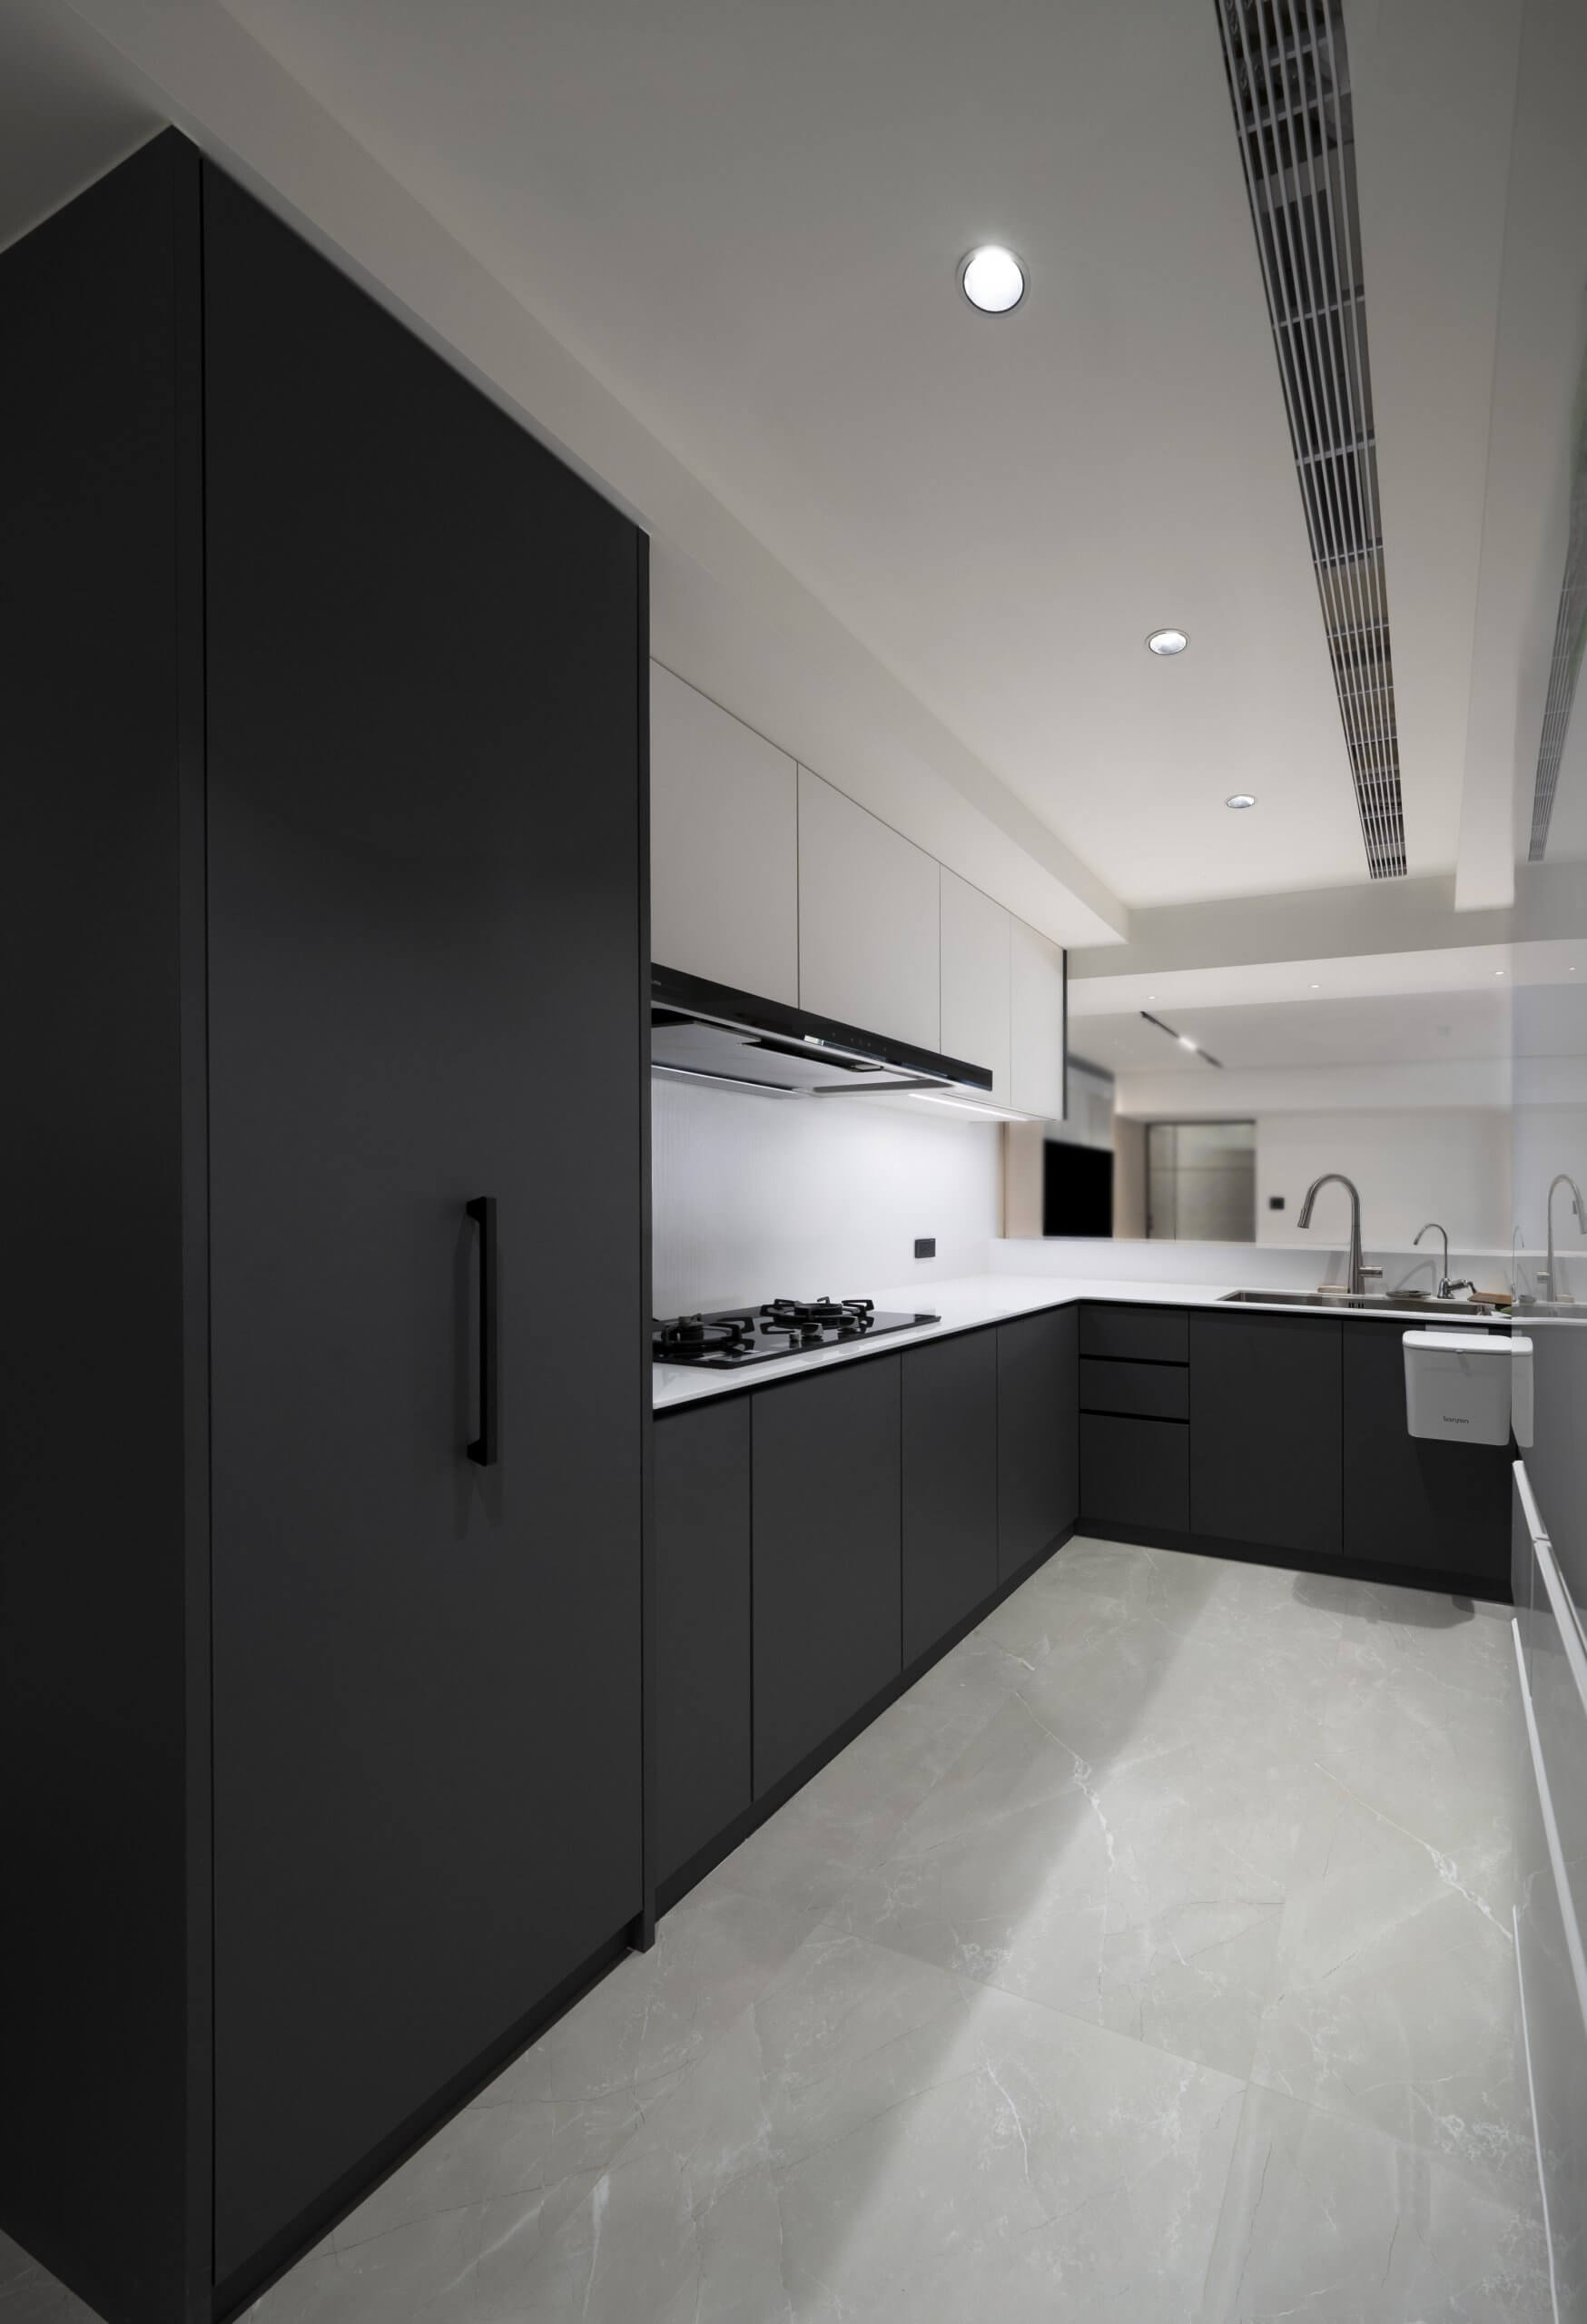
{"points": [[484, 1447]]}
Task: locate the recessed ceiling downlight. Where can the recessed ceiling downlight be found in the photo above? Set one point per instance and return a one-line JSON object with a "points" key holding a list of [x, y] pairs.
{"points": [[1241, 799], [1166, 642], [992, 278]]}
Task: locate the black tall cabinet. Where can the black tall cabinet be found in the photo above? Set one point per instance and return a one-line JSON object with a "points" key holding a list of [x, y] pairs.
{"points": [[320, 1716]]}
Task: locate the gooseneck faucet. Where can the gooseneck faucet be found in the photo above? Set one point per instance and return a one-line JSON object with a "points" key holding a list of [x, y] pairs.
{"points": [[1433, 1227], [1357, 1272], [1447, 1284], [1556, 1296]]}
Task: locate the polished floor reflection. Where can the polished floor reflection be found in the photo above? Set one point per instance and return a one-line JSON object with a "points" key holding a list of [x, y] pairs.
{"points": [[1151, 1962]]}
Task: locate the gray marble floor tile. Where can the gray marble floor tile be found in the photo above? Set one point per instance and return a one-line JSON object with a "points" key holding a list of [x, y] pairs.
{"points": [[850, 1814], [1140, 1687], [1148, 1963], [1212, 1596], [1396, 2003], [29, 2294], [1014, 2164], [1329, 2220], [1430, 1757], [1144, 1897], [657, 2011], [1444, 1645], [537, 2139], [408, 2272]]}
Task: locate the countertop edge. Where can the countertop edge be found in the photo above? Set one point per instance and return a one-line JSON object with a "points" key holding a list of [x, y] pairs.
{"points": [[978, 1303]]}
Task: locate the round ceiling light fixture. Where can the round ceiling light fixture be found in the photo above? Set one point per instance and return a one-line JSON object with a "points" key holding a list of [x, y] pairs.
{"points": [[1241, 799], [1166, 642], [992, 278]]}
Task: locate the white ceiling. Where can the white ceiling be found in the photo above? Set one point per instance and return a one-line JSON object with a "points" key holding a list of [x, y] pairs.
{"points": [[1567, 839], [1495, 1002], [65, 120], [1284, 1034], [744, 217], [1375, 977]]}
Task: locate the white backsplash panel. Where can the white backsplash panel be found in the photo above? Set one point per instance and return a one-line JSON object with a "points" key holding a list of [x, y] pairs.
{"points": [[762, 1197]]}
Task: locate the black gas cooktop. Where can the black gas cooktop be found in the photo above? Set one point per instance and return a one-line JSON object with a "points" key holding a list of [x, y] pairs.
{"points": [[738, 1335]]}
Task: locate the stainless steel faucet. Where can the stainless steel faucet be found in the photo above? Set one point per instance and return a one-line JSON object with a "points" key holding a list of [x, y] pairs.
{"points": [[1357, 1272], [1433, 1227], [1556, 1296], [1447, 1284]]}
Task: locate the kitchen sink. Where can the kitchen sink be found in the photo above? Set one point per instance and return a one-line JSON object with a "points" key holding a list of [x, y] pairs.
{"points": [[1422, 1302]]}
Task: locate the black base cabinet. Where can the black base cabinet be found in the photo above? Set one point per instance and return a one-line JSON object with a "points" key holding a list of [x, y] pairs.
{"points": [[827, 1520], [1408, 1501], [1135, 1472], [874, 1510], [818, 1541], [1265, 1432], [1135, 1400], [1038, 1466], [701, 1554], [950, 1486], [321, 1629]]}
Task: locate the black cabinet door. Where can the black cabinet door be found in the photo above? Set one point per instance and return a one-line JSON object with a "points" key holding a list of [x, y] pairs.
{"points": [[1147, 1391], [1135, 1472], [1408, 1501], [702, 1561], [1135, 1335], [1265, 1430], [826, 1556], [1038, 1434], [105, 1939], [950, 1484], [424, 654]]}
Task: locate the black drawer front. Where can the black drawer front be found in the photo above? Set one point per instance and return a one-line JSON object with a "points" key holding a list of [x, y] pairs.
{"points": [[1136, 1334], [1149, 1391], [1135, 1472]]}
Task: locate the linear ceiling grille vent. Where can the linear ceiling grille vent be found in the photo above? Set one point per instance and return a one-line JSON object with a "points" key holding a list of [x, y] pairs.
{"points": [[1289, 82], [1570, 644]]}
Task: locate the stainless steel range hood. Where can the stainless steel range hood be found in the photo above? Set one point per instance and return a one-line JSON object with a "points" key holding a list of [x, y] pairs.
{"points": [[709, 1032]]}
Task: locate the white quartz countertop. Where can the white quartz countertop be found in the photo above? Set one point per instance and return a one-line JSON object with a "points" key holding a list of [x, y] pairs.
{"points": [[966, 1302]]}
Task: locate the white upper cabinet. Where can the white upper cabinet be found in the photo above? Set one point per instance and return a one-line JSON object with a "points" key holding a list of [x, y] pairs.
{"points": [[765, 878], [869, 915], [1036, 1024], [975, 969], [724, 846]]}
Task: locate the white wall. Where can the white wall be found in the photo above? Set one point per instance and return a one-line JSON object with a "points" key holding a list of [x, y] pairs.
{"points": [[1227, 1265], [1430, 1140], [1547, 1139], [760, 1198], [1410, 1166]]}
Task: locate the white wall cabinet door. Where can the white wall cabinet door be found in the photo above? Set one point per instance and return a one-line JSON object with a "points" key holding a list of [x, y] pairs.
{"points": [[869, 920], [1036, 1024], [976, 973], [724, 846]]}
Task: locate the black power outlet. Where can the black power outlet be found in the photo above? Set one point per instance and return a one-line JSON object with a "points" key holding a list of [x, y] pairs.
{"points": [[925, 1246]]}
